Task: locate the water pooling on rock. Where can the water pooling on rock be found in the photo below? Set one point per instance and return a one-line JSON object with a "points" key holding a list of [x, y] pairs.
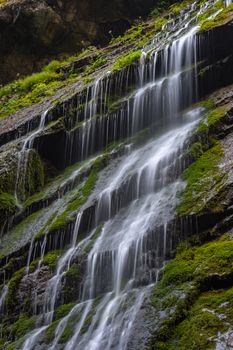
{"points": [[134, 208]]}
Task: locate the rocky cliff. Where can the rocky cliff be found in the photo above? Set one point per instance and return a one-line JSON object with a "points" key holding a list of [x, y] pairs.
{"points": [[33, 32], [106, 146]]}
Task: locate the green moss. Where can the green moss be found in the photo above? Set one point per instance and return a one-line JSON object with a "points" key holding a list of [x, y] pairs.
{"points": [[199, 262], [126, 60], [12, 287], [66, 335], [50, 332], [7, 202], [192, 317], [196, 149], [80, 197], [199, 329], [72, 282], [208, 24], [61, 74], [23, 325], [34, 174], [50, 259], [7, 206], [73, 272], [69, 329], [177, 272], [203, 178], [214, 116], [13, 346], [63, 310], [99, 62], [87, 323], [178, 7]]}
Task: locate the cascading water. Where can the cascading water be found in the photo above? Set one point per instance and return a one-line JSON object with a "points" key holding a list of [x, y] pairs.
{"points": [[228, 2], [137, 203], [3, 296]]}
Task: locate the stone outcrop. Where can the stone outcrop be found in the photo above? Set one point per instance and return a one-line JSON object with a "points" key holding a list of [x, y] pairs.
{"points": [[33, 32]]}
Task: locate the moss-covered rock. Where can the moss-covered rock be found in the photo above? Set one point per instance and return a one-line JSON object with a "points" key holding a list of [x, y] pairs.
{"points": [[212, 22], [34, 176], [126, 60], [79, 197], [204, 178], [12, 288], [8, 206], [23, 325], [50, 259], [63, 310], [196, 309]]}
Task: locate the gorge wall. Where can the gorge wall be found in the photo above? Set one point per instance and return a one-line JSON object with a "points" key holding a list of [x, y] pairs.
{"points": [[33, 32], [114, 163]]}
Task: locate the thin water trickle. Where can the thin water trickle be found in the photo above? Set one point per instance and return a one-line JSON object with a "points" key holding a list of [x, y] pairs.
{"points": [[3, 296]]}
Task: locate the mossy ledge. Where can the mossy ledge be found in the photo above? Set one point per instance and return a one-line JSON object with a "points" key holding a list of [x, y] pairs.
{"points": [[195, 290], [203, 177]]}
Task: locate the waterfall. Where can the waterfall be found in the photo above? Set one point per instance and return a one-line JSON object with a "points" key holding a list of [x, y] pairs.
{"points": [[136, 205], [3, 296], [228, 3]]}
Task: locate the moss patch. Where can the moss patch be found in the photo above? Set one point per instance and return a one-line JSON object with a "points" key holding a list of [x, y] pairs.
{"points": [[193, 317], [126, 60], [23, 325], [12, 287], [80, 197], [63, 310], [7, 206], [203, 178], [221, 18], [50, 332], [50, 259]]}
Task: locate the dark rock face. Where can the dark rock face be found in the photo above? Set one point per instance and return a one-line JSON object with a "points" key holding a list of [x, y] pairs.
{"points": [[33, 32]]}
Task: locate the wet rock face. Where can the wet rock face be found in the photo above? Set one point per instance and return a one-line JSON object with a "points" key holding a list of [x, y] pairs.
{"points": [[31, 291], [34, 31]]}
